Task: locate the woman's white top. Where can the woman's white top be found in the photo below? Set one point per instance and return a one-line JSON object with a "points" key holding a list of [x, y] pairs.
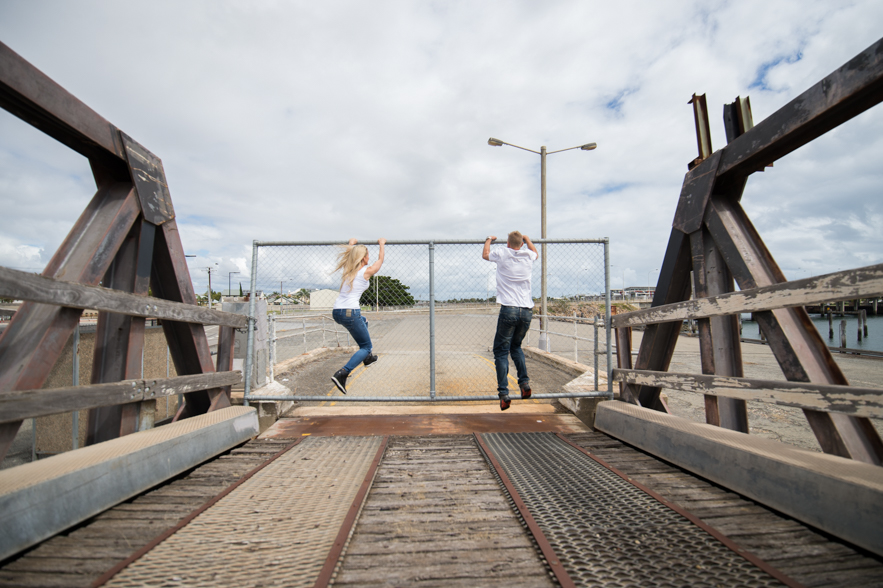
{"points": [[350, 294]]}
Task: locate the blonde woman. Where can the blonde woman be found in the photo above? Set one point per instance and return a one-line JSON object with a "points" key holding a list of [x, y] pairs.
{"points": [[347, 312]]}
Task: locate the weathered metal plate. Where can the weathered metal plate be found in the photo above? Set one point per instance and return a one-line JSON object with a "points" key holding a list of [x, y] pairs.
{"points": [[697, 188], [150, 182], [275, 529], [423, 424], [606, 531]]}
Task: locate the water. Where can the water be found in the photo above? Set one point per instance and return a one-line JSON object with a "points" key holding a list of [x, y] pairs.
{"points": [[873, 342]]}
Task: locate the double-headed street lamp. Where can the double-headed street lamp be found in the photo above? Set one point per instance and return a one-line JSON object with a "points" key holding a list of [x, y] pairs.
{"points": [[544, 340]]}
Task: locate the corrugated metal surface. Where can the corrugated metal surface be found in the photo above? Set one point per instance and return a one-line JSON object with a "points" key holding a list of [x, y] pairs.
{"points": [[275, 529]]}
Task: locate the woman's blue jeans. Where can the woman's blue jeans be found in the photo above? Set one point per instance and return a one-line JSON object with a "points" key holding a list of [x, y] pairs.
{"points": [[512, 325], [357, 325]]}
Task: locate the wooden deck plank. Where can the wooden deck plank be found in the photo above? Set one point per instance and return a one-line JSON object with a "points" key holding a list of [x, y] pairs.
{"points": [[448, 514]]}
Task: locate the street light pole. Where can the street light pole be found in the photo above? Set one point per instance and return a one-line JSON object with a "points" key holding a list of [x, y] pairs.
{"points": [[544, 327], [209, 270], [544, 339]]}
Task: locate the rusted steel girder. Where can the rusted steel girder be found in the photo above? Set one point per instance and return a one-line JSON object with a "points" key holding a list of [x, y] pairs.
{"points": [[132, 192], [794, 340], [119, 339], [724, 245], [37, 333]]}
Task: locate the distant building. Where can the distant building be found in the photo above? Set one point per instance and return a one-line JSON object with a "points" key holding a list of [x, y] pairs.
{"points": [[640, 292], [322, 299]]}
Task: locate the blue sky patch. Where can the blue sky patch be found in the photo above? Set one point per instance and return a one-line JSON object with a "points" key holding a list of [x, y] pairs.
{"points": [[760, 81]]}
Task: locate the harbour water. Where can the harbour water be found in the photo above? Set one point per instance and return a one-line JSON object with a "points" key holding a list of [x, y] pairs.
{"points": [[873, 342]]}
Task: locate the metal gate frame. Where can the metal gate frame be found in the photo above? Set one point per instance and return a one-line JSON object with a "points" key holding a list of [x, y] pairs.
{"points": [[608, 351]]}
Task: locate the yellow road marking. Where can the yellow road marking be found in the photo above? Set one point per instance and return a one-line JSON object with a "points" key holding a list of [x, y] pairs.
{"points": [[355, 375]]}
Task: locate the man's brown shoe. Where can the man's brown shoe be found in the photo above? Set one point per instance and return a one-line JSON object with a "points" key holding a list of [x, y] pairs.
{"points": [[525, 391]]}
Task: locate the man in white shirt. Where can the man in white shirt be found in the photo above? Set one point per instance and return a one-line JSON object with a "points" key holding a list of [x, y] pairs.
{"points": [[514, 269]]}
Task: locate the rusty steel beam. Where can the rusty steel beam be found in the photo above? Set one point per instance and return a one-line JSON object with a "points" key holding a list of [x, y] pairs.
{"points": [[720, 337], [844, 94], [624, 361], [706, 345], [119, 338], [703, 129], [226, 344], [37, 334], [188, 345], [659, 340], [794, 340]]}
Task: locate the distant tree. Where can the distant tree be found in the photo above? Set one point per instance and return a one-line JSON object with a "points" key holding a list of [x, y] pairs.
{"points": [[391, 293]]}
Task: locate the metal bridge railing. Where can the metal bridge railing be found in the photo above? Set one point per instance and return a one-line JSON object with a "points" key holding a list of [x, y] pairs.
{"points": [[431, 314]]}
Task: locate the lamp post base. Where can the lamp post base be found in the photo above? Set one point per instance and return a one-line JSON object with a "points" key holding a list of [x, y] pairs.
{"points": [[545, 343]]}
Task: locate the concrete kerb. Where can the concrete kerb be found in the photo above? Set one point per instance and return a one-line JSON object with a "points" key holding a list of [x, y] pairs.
{"points": [[584, 381], [270, 411], [42, 498]]}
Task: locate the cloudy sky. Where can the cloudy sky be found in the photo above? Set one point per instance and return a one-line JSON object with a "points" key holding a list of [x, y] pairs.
{"points": [[316, 121]]}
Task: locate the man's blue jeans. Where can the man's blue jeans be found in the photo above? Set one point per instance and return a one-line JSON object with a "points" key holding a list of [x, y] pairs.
{"points": [[357, 325], [512, 325]]}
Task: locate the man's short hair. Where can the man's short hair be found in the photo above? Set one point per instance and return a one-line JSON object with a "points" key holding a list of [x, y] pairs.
{"points": [[515, 240]]}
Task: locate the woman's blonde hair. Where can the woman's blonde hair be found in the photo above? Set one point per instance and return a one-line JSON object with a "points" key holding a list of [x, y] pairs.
{"points": [[350, 261]]}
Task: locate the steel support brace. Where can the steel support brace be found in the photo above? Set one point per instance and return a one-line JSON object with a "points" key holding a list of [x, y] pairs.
{"points": [[794, 340], [36, 335], [188, 344], [719, 343], [659, 341], [119, 339]]}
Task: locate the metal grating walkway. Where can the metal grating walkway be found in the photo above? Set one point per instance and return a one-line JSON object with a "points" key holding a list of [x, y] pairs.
{"points": [[607, 532], [275, 529]]}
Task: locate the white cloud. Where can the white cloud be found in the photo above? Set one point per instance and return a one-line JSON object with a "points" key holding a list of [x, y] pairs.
{"points": [[320, 121]]}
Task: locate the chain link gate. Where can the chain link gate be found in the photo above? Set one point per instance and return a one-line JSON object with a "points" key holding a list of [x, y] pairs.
{"points": [[432, 315]]}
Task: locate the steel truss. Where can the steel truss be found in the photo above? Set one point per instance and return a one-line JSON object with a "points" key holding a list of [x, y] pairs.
{"points": [[714, 241], [126, 239]]}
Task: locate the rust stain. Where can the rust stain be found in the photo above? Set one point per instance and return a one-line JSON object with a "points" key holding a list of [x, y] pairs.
{"points": [[422, 424]]}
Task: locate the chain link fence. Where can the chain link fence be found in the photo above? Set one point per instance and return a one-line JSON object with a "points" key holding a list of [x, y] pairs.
{"points": [[432, 313]]}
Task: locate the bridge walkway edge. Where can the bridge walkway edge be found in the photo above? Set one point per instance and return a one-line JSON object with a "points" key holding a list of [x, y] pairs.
{"points": [[78, 557]]}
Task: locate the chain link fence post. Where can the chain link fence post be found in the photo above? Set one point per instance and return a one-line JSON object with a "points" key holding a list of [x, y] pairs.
{"points": [[607, 317], [249, 346], [432, 320]]}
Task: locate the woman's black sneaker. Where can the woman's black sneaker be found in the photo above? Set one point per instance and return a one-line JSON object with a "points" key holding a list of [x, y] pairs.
{"points": [[369, 360], [339, 379], [504, 402]]}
